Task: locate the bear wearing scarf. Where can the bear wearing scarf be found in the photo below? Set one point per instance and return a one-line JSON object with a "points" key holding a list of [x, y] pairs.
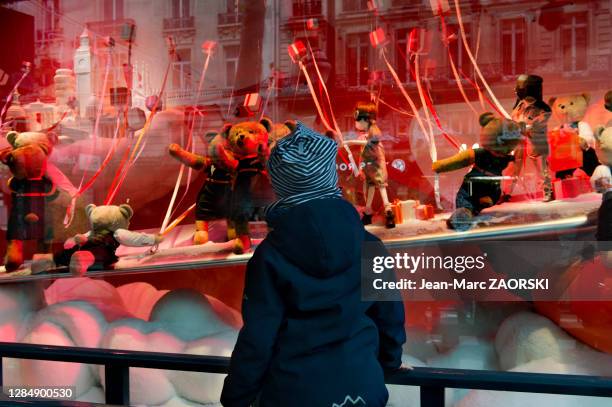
{"points": [[481, 186], [235, 156]]}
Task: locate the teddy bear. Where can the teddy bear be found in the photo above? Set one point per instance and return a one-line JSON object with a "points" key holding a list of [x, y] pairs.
{"points": [[498, 138], [601, 180], [31, 189], [235, 156], [96, 249], [569, 111]]}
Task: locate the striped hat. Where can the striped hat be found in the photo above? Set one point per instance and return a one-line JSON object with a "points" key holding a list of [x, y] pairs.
{"points": [[302, 167]]}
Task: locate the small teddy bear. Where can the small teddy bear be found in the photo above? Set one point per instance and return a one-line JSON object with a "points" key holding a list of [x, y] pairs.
{"points": [[95, 250], [570, 111], [31, 189], [235, 156], [498, 138]]}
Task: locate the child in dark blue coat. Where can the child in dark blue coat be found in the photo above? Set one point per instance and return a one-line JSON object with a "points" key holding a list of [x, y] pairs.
{"points": [[308, 337]]}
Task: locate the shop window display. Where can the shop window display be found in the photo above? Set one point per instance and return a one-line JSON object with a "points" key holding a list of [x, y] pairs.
{"points": [[135, 138]]}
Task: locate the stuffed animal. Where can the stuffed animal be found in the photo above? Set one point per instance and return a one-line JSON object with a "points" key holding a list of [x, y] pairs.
{"points": [[235, 156], [31, 189], [248, 143], [95, 250], [570, 111], [602, 177], [498, 138]]}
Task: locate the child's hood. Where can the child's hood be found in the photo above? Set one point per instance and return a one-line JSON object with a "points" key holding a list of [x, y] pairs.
{"points": [[322, 237]]}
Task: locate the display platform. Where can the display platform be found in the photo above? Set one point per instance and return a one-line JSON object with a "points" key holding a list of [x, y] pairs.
{"points": [[508, 221]]}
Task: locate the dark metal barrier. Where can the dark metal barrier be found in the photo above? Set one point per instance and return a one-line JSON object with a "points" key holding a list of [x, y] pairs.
{"points": [[432, 381]]}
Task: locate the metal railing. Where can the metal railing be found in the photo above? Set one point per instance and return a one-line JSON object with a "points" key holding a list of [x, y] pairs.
{"points": [[179, 23], [432, 381], [307, 8], [229, 18]]}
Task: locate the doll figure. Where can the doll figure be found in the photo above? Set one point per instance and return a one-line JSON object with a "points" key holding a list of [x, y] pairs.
{"points": [[531, 109], [373, 163]]}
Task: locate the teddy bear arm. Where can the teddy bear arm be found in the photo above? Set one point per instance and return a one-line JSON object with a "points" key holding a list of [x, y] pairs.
{"points": [[460, 160], [76, 239], [195, 161], [225, 158], [5, 155], [585, 132], [134, 239]]}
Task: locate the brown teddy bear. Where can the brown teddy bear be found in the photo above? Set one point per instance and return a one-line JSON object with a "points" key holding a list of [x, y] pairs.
{"points": [[569, 111], [235, 156], [31, 189], [95, 250], [498, 138]]}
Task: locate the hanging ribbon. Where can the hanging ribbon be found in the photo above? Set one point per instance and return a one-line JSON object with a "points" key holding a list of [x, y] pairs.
{"points": [[271, 85], [127, 164], [433, 152], [471, 56], [432, 146], [190, 145], [27, 68], [445, 41], [333, 116]]}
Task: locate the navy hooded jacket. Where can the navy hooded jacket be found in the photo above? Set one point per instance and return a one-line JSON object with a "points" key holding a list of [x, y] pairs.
{"points": [[308, 339]]}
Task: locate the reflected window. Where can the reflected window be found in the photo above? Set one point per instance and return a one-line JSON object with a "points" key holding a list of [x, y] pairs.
{"points": [[305, 8], [401, 41], [458, 51], [113, 9], [231, 53], [180, 8], [181, 69], [574, 42], [357, 59], [52, 15], [231, 6], [354, 5], [513, 46]]}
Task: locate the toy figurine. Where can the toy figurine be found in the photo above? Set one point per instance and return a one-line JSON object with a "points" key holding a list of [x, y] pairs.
{"points": [[373, 163], [30, 188], [570, 111], [213, 199], [95, 250], [531, 109], [235, 156], [498, 138]]}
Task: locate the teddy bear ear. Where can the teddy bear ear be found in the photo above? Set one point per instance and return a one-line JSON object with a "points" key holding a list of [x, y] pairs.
{"points": [[89, 209], [11, 137], [210, 136], [598, 132], [485, 118], [126, 211], [586, 97], [53, 138], [551, 101], [226, 130], [291, 125], [267, 123]]}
